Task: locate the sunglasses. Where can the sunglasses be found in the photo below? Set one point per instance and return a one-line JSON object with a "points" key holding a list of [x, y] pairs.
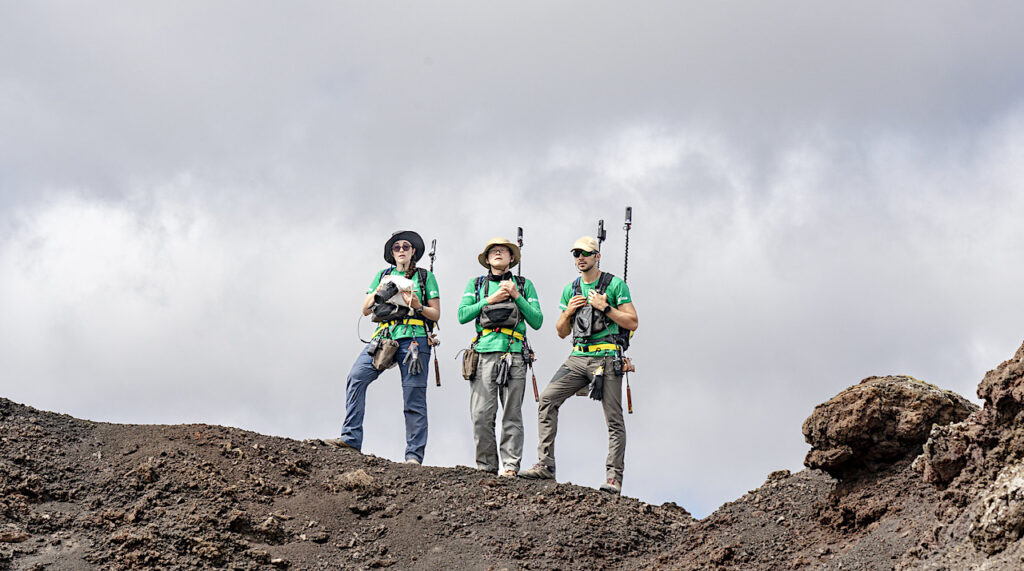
{"points": [[584, 253], [401, 247]]}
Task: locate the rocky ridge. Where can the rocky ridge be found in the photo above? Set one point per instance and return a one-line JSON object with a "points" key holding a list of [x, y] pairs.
{"points": [[901, 475], [80, 494]]}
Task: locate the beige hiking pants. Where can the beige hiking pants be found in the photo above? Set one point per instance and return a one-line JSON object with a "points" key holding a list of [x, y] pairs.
{"points": [[484, 397], [573, 375]]}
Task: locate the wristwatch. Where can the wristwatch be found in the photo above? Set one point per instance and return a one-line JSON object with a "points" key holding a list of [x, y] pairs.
{"points": [[606, 309]]}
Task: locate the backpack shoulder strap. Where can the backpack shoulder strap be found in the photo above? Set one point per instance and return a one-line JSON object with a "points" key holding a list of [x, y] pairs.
{"points": [[521, 283], [604, 281], [479, 285], [576, 289], [421, 273], [480, 281]]}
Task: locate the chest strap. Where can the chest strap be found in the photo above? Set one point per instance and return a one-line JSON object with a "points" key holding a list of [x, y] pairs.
{"points": [[598, 347]]}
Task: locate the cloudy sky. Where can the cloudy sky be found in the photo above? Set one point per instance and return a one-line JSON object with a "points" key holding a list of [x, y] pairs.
{"points": [[194, 197]]}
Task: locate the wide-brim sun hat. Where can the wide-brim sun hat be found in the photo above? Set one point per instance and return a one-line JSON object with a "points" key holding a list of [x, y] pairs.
{"points": [[482, 258], [587, 243], [412, 237]]}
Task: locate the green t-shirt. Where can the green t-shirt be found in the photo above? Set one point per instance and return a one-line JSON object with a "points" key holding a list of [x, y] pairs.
{"points": [[431, 291], [528, 304], [618, 294]]}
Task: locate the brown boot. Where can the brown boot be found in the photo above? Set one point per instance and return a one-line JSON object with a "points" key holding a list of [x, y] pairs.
{"points": [[538, 472]]}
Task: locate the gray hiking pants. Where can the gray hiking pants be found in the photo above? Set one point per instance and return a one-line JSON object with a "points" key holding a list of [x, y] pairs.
{"points": [[484, 396], [573, 375]]}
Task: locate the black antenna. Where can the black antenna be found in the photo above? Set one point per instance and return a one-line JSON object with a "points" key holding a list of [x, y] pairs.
{"points": [[601, 234], [433, 252], [519, 240], [626, 227]]}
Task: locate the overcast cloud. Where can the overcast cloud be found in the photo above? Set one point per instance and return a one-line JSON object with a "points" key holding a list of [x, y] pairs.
{"points": [[194, 197]]}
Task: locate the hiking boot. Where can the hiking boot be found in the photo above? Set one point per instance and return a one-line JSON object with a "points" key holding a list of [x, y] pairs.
{"points": [[613, 486], [413, 461], [339, 443], [507, 474], [538, 472]]}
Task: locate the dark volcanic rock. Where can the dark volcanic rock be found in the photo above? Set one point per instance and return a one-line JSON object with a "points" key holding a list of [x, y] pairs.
{"points": [[946, 451], [84, 495], [877, 422], [988, 440], [1002, 390], [77, 494], [981, 460]]}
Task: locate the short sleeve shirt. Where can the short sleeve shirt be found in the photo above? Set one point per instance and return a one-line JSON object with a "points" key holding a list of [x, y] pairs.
{"points": [[618, 294], [428, 292]]}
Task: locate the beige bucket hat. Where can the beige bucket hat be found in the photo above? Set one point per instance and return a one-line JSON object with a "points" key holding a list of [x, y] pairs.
{"points": [[482, 258]]}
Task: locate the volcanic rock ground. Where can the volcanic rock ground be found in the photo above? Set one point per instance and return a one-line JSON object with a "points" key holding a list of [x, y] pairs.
{"points": [[80, 495]]}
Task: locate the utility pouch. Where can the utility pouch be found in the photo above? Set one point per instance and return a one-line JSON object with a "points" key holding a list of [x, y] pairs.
{"points": [[384, 358], [498, 315], [388, 312], [470, 362], [587, 321]]}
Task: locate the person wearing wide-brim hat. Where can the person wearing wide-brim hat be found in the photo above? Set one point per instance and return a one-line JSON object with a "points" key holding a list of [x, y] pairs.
{"points": [[402, 250], [501, 304], [597, 337]]}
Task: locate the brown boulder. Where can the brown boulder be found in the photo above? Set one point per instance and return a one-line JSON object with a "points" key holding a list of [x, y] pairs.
{"points": [[946, 452], [877, 422]]}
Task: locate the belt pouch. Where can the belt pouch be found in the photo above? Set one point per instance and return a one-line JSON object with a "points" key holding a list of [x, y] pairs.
{"points": [[384, 358], [470, 361], [498, 315]]}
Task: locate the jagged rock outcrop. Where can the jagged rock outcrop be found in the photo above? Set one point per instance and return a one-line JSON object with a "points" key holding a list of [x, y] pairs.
{"points": [[877, 422], [946, 451], [1000, 517], [981, 461], [1002, 389], [985, 442]]}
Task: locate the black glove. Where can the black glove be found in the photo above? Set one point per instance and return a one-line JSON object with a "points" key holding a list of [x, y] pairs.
{"points": [[597, 384], [412, 359], [503, 369]]}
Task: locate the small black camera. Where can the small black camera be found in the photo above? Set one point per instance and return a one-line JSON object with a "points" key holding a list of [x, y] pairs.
{"points": [[385, 293]]}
